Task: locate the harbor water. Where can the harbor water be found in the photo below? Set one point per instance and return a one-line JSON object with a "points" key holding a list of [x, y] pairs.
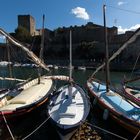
{"points": [[24, 126]]}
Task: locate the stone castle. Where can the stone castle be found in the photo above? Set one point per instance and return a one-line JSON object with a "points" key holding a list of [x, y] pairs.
{"points": [[28, 22], [84, 37], [89, 32]]}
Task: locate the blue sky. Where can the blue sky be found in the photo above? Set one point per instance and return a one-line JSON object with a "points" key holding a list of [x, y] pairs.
{"points": [[61, 13]]}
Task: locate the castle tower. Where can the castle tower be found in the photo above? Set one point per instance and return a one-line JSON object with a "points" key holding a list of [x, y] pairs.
{"points": [[28, 22]]}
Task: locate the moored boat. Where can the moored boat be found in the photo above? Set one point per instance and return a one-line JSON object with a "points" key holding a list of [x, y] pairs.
{"points": [[114, 104], [69, 106], [25, 98], [81, 68], [27, 95], [68, 109], [132, 93]]}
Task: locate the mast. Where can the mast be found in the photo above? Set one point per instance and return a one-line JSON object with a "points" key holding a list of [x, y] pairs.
{"points": [[25, 49], [8, 54], [41, 49], [121, 48], [106, 50], [70, 59], [42, 40]]}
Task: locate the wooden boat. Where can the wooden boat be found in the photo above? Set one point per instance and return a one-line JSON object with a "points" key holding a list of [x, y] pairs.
{"points": [[132, 93], [25, 98], [114, 104], [68, 107], [123, 111], [81, 68], [28, 95]]}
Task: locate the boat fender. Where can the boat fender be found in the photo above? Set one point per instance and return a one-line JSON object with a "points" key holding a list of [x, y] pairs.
{"points": [[105, 114], [95, 101], [3, 102]]}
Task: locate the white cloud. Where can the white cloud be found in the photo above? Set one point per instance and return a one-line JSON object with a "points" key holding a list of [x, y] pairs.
{"points": [[2, 37], [121, 3], [123, 30], [80, 12]]}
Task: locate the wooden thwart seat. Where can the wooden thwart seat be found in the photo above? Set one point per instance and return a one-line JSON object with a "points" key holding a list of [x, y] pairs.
{"points": [[67, 114]]}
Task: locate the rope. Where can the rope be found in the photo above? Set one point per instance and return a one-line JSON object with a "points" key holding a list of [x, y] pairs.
{"points": [[25, 49], [122, 47], [12, 136], [9, 60], [126, 10], [36, 128], [134, 65], [107, 131], [136, 135]]}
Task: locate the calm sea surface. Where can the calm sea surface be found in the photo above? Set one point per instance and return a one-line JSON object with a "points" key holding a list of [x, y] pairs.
{"points": [[21, 128]]}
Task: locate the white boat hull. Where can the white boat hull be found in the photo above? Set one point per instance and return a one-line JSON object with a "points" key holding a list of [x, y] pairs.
{"points": [[26, 98], [69, 109]]}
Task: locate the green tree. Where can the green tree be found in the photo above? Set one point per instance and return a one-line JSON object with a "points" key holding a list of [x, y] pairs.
{"points": [[22, 34]]}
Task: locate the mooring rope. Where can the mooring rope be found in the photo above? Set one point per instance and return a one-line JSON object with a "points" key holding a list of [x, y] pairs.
{"points": [[36, 128], [134, 66], [11, 134], [136, 135], [116, 135]]}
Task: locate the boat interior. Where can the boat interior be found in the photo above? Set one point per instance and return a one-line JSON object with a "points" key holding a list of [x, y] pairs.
{"points": [[68, 109], [27, 94]]}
